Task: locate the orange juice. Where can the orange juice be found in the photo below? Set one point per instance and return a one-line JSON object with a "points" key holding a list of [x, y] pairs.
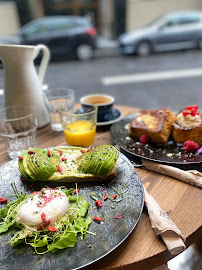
{"points": [[80, 133]]}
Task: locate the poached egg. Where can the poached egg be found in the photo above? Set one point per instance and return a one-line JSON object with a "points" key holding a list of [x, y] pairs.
{"points": [[51, 202]]}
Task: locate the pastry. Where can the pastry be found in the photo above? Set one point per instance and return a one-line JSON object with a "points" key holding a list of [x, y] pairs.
{"points": [[188, 126]]}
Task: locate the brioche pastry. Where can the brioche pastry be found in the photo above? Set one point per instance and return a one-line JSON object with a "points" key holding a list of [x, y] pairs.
{"points": [[188, 126]]}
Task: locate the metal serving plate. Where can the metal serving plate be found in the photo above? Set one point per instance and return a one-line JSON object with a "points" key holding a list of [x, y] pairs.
{"points": [[169, 153], [109, 235]]}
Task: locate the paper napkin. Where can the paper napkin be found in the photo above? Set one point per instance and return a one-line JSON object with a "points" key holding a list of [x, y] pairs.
{"points": [[192, 177], [164, 226]]}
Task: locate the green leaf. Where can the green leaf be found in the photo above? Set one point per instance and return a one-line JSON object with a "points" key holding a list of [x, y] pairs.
{"points": [[17, 201], [4, 227], [72, 198], [67, 191], [41, 243], [83, 206], [18, 225], [3, 212], [82, 225], [17, 242], [66, 240]]}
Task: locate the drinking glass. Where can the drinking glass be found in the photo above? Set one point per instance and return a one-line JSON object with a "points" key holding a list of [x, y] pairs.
{"points": [[80, 126], [18, 128], [55, 98]]}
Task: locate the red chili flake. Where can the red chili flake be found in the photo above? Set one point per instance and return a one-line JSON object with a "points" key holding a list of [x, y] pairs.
{"points": [[76, 191], [23, 180], [52, 229], [105, 197], [43, 216], [99, 219], [118, 216], [31, 185], [98, 203], [90, 148], [60, 153], [63, 159], [34, 192], [59, 168], [2, 200], [20, 157], [31, 152], [43, 225], [49, 153], [114, 196], [82, 151]]}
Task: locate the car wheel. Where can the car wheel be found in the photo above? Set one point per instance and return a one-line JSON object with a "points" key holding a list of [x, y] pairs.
{"points": [[143, 48], [84, 52]]}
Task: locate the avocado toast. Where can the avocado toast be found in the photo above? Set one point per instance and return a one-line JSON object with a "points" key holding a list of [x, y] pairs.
{"points": [[69, 164]]}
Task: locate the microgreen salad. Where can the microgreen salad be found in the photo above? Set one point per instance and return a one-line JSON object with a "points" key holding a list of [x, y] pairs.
{"points": [[48, 220]]}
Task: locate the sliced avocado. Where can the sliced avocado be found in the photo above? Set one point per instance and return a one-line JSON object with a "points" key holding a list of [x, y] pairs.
{"points": [[27, 160], [21, 165], [99, 161], [110, 160], [41, 165]]}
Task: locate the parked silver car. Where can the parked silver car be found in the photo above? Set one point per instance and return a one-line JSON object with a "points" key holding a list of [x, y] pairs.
{"points": [[175, 31]]}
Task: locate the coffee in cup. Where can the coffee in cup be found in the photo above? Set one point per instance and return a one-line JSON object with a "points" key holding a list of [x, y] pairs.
{"points": [[104, 103]]}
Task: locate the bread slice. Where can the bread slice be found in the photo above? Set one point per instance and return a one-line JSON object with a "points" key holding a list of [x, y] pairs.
{"points": [[156, 124]]}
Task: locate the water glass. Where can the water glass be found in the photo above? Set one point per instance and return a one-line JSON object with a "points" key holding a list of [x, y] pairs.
{"points": [[80, 126], [56, 98], [18, 128]]}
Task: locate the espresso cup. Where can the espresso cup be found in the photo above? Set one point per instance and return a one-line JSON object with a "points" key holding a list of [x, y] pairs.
{"points": [[103, 102]]}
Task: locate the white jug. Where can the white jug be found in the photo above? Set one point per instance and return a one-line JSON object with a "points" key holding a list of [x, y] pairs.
{"points": [[22, 84]]}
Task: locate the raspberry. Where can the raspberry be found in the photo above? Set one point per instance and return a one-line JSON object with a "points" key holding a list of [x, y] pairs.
{"points": [[185, 113], [193, 112], [188, 108], [195, 107], [190, 146], [144, 139]]}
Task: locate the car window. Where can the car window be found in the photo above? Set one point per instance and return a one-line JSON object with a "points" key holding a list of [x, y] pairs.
{"points": [[49, 25], [175, 21], [182, 20], [61, 25], [36, 29], [189, 19]]}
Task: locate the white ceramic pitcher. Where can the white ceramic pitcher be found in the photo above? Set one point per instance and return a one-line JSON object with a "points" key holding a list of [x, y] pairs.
{"points": [[22, 84]]}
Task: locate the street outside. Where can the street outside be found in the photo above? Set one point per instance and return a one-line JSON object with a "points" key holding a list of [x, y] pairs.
{"points": [[172, 79]]}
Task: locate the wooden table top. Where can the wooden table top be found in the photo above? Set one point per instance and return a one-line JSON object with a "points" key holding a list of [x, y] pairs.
{"points": [[142, 249]]}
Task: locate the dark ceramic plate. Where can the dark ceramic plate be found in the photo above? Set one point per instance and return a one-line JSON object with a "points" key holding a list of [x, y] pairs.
{"points": [[169, 153], [109, 235], [111, 117]]}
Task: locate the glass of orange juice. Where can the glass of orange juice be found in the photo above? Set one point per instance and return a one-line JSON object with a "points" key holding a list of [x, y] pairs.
{"points": [[79, 126]]}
